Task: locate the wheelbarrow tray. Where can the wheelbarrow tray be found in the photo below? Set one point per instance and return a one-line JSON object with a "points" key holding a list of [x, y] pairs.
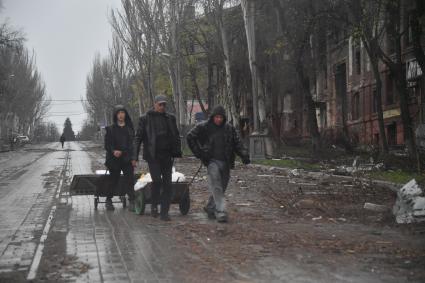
{"points": [[180, 195], [96, 185], [92, 184]]}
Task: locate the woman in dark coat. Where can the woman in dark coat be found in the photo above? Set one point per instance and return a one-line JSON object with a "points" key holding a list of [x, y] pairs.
{"points": [[119, 147]]}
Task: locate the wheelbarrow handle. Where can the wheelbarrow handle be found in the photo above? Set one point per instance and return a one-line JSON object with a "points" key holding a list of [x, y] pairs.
{"points": [[196, 174]]}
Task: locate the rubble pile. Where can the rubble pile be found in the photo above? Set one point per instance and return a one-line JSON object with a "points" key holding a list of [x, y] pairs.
{"points": [[410, 204]]}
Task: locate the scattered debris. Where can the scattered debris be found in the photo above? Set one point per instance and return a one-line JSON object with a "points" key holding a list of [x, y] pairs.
{"points": [[307, 204], [375, 207], [410, 204], [243, 204], [356, 161], [295, 172]]}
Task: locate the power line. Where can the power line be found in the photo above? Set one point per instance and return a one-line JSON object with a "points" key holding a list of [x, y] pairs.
{"points": [[64, 115], [66, 103], [66, 100], [64, 112]]}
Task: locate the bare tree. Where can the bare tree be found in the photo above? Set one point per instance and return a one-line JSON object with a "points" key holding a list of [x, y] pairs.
{"points": [[150, 30], [366, 20], [393, 59], [23, 97]]}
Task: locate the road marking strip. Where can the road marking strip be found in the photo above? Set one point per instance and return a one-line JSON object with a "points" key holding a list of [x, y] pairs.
{"points": [[39, 253]]}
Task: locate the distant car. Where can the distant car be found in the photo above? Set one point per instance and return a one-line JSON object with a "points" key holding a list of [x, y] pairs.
{"points": [[22, 139]]}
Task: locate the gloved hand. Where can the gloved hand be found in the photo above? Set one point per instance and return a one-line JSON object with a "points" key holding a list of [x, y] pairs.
{"points": [[205, 156], [246, 160], [205, 161], [178, 154]]}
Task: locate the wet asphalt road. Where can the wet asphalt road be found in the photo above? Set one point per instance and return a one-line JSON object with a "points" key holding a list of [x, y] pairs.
{"points": [[29, 180], [47, 235]]}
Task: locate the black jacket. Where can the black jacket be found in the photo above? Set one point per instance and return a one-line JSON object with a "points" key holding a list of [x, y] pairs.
{"points": [[111, 139], [146, 134], [199, 140]]}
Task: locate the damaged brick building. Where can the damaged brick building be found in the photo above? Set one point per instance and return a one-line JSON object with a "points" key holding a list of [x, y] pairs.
{"points": [[346, 89]]}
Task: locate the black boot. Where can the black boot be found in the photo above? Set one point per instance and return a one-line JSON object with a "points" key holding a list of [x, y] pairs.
{"points": [[165, 217], [131, 206], [154, 211], [210, 212], [109, 205]]}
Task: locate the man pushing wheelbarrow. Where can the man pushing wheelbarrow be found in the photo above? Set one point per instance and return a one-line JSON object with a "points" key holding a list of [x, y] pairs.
{"points": [[158, 132]]}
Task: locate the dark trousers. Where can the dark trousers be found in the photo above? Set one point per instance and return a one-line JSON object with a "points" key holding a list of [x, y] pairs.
{"points": [[127, 181], [161, 174]]}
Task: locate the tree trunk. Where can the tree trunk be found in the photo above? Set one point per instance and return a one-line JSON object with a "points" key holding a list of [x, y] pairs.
{"points": [[417, 33], [210, 89], [408, 131], [229, 98], [175, 66], [258, 99], [311, 109], [196, 90], [180, 95], [375, 68], [171, 73]]}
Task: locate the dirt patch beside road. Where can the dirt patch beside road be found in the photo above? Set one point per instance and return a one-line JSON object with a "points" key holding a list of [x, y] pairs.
{"points": [[311, 221]]}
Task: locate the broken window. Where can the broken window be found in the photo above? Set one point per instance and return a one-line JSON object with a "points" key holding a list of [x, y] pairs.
{"points": [[287, 103], [374, 101], [325, 69], [389, 90], [392, 134], [408, 38], [358, 61], [356, 106]]}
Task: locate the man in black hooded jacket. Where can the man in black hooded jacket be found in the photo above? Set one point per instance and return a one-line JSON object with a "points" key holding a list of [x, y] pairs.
{"points": [[119, 147], [216, 142], [158, 132]]}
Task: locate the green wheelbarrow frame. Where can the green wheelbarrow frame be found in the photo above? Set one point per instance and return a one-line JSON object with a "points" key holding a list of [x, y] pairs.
{"points": [[180, 196]]}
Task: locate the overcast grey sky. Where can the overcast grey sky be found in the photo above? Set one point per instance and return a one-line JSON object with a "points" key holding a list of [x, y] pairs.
{"points": [[65, 35]]}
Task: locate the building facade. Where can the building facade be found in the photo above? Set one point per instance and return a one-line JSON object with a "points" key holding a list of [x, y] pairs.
{"points": [[345, 91]]}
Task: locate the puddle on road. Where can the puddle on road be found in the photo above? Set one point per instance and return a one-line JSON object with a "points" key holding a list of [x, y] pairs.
{"points": [[17, 175]]}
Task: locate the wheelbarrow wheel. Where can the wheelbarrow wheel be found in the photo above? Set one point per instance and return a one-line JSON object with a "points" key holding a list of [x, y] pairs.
{"points": [[139, 203], [124, 201], [96, 202], [184, 204]]}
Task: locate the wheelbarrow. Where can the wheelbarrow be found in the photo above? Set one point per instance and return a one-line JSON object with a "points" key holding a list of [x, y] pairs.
{"points": [[180, 195], [96, 185]]}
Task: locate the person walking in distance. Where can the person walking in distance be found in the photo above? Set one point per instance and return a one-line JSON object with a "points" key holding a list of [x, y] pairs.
{"points": [[119, 147], [215, 142], [62, 139], [158, 132]]}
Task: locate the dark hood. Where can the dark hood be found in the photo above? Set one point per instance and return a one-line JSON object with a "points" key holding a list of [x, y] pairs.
{"points": [[218, 110], [128, 121]]}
